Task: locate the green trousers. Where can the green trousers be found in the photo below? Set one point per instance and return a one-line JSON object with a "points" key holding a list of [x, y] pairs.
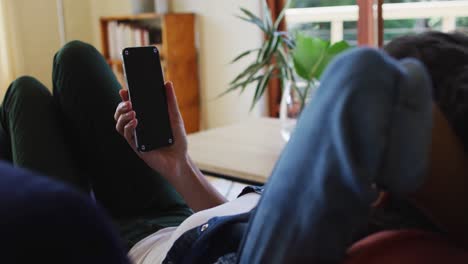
{"points": [[70, 136]]}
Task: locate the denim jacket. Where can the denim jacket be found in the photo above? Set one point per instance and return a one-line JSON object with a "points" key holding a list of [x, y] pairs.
{"points": [[213, 242], [368, 125]]}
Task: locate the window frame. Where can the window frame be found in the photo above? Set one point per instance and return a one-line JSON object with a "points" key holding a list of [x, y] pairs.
{"points": [[370, 33]]}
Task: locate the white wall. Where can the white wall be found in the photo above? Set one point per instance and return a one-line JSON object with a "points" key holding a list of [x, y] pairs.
{"points": [[78, 20], [221, 37], [101, 8], [35, 32], [37, 38]]}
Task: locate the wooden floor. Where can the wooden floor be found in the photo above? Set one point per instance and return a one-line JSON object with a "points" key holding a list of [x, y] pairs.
{"points": [[229, 189]]}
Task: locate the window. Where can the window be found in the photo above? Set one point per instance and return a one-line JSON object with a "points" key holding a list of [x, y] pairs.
{"points": [[332, 20], [336, 19], [408, 17], [379, 21]]}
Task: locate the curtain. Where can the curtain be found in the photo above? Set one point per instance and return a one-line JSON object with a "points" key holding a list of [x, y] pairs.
{"points": [[6, 54]]}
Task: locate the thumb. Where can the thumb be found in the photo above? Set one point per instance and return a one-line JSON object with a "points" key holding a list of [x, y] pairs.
{"points": [[123, 94], [172, 105]]}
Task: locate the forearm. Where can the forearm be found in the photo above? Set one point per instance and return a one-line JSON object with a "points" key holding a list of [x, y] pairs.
{"points": [[173, 162], [190, 182]]}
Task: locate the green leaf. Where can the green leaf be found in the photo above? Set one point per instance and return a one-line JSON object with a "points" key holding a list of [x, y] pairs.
{"points": [[232, 88], [249, 14], [265, 48], [261, 86], [267, 20], [308, 55], [241, 85], [284, 78], [243, 54], [271, 46], [331, 53], [300, 69], [252, 18], [251, 69], [338, 47], [282, 56], [251, 79], [281, 15], [276, 45], [285, 62], [290, 43], [259, 23]]}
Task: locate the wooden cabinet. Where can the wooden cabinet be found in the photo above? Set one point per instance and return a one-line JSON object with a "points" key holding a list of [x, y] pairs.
{"points": [[174, 34]]}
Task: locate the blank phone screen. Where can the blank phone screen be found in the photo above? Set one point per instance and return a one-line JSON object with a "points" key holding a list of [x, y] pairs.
{"points": [[148, 96]]}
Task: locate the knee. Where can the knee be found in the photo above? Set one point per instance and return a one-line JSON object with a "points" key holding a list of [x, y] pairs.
{"points": [[24, 89], [27, 86], [74, 52], [359, 62]]}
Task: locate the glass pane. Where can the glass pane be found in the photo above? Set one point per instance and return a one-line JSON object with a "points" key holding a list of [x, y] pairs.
{"points": [[401, 27], [462, 24], [350, 32], [430, 15], [318, 3], [323, 28]]}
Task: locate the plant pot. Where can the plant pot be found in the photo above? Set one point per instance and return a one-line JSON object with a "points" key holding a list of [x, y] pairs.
{"points": [[296, 95], [142, 6]]}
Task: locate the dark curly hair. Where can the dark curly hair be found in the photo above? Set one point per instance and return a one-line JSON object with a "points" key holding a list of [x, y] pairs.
{"points": [[445, 56]]}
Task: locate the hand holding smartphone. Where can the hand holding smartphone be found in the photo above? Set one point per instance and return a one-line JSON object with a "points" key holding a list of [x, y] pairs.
{"points": [[145, 83]]}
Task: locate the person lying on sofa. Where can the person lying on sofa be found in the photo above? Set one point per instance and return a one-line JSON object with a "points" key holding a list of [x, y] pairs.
{"points": [[376, 123]]}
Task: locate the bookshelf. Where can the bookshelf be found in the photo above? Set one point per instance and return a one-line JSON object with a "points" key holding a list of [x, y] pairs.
{"points": [[174, 35]]}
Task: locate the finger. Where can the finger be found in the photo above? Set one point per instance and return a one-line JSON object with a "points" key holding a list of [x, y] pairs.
{"points": [[129, 132], [172, 105], [124, 94], [123, 121], [122, 108]]}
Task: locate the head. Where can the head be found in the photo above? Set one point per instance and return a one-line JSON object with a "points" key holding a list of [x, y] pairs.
{"points": [[443, 194], [446, 59]]}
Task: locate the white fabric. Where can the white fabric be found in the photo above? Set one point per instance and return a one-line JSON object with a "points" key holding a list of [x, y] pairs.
{"points": [[153, 249]]}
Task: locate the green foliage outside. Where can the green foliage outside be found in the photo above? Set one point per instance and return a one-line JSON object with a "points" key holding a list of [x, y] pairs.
{"points": [[393, 28], [316, 3]]}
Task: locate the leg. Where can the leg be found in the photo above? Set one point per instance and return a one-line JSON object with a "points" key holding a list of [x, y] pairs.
{"points": [[52, 222], [87, 93], [31, 133], [360, 130]]}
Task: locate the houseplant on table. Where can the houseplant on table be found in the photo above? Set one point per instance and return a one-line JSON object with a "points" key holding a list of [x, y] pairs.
{"points": [[298, 61]]}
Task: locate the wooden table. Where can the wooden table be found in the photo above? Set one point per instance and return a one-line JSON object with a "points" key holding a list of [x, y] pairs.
{"points": [[244, 152]]}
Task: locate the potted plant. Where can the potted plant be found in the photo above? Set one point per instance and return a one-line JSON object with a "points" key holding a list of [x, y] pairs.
{"points": [[298, 61], [310, 58]]}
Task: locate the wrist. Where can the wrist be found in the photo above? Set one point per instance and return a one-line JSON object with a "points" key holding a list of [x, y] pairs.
{"points": [[182, 169]]}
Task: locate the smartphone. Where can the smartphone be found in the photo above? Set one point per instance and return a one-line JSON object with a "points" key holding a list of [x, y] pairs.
{"points": [[145, 83]]}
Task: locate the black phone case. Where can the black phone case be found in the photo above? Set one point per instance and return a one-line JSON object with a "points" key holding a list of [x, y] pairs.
{"points": [[151, 142]]}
